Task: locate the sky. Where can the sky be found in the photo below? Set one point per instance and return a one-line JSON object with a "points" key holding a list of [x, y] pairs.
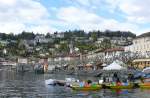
{"points": [[42, 16]]}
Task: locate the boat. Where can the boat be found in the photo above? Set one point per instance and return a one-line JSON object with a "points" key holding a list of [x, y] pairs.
{"points": [[145, 85], [50, 82], [120, 87], [55, 82], [90, 88]]}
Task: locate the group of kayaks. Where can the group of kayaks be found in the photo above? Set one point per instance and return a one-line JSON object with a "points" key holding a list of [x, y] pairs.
{"points": [[94, 86], [100, 86]]}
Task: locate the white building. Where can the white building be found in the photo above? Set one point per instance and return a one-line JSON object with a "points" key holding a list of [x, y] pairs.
{"points": [[113, 52], [95, 55], [68, 57], [141, 44], [99, 41], [58, 35], [42, 39]]}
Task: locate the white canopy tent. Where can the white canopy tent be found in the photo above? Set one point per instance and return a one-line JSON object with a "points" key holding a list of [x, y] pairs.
{"points": [[104, 65], [113, 66], [146, 70], [121, 63]]}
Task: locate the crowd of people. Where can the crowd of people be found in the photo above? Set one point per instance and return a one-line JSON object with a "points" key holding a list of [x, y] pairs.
{"points": [[116, 80]]}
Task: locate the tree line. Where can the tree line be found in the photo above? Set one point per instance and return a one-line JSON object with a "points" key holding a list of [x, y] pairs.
{"points": [[69, 34]]}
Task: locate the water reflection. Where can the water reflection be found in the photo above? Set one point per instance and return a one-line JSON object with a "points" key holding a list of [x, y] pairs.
{"points": [[30, 85]]}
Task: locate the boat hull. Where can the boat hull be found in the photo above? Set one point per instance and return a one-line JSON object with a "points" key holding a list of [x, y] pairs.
{"points": [[145, 86], [121, 87], [98, 87]]}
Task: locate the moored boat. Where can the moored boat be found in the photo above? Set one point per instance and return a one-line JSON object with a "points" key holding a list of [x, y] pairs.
{"points": [[145, 85], [120, 86], [89, 88]]}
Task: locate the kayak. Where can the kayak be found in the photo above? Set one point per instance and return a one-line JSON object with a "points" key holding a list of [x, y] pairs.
{"points": [[90, 88], [144, 85], [120, 86]]}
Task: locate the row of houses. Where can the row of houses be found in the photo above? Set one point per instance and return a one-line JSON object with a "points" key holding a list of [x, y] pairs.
{"points": [[139, 49], [138, 53], [120, 41], [141, 46]]}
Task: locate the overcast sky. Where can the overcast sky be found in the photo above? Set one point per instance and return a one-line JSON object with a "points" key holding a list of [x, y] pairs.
{"points": [[59, 15]]}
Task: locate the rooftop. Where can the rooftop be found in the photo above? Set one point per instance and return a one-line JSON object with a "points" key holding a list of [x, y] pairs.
{"points": [[141, 60], [114, 49], [144, 35]]}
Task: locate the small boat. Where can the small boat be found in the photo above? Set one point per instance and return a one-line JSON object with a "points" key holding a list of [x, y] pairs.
{"points": [[90, 88], [55, 82], [51, 82], [121, 86], [144, 85]]}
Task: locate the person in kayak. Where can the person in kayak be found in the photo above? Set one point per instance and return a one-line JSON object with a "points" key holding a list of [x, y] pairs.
{"points": [[118, 82]]}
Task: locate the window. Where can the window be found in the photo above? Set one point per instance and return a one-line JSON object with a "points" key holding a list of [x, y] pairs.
{"points": [[135, 41], [137, 47], [147, 39]]}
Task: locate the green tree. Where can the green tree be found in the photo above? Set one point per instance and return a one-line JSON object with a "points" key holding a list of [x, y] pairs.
{"points": [[64, 47], [106, 44], [94, 36], [85, 47], [26, 35], [48, 35]]}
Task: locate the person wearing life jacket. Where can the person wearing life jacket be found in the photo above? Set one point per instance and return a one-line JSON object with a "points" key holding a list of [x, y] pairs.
{"points": [[142, 79], [45, 67], [118, 82], [88, 83]]}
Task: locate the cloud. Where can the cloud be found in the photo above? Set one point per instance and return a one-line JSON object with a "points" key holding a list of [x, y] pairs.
{"points": [[89, 3], [84, 2], [19, 15], [41, 29], [32, 15], [7, 2], [132, 15], [76, 15], [91, 21], [135, 10]]}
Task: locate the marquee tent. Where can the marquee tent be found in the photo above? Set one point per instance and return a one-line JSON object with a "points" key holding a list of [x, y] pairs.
{"points": [[114, 66]]}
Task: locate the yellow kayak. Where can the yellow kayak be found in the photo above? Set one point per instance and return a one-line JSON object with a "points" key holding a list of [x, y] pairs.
{"points": [[120, 86], [145, 85], [90, 88]]}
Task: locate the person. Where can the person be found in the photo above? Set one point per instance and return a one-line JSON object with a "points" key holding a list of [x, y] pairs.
{"points": [[115, 76], [110, 79], [81, 84], [131, 77], [89, 81], [125, 82], [45, 67], [142, 79], [86, 84], [118, 82], [104, 79]]}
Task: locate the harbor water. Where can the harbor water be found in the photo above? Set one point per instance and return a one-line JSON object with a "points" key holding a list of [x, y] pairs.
{"points": [[31, 85]]}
